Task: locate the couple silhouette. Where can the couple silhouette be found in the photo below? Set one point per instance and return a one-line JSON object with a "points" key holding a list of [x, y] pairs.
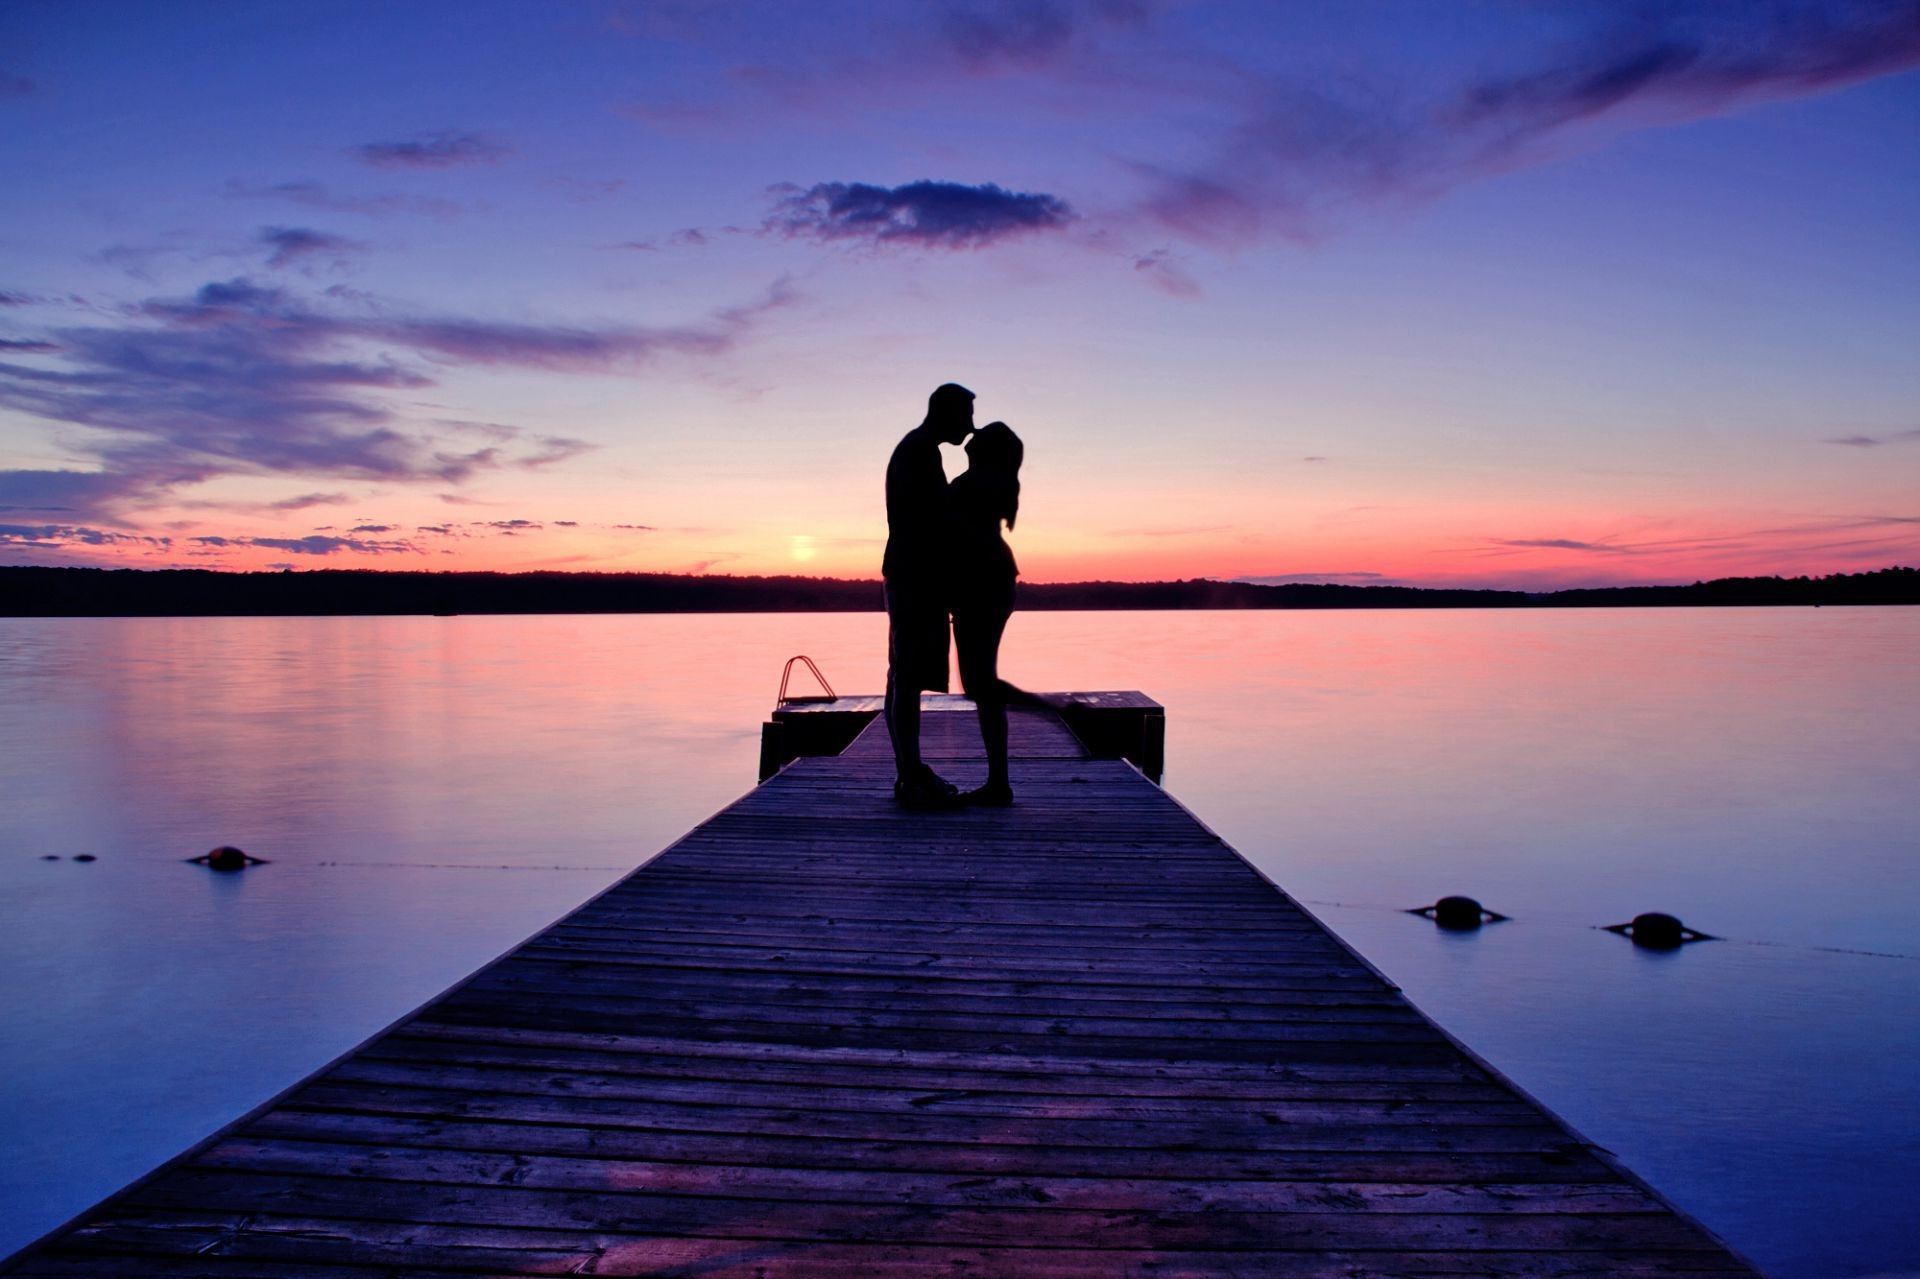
{"points": [[948, 571]]}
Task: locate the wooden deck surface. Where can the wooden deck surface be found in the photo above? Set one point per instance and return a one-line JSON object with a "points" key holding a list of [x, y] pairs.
{"points": [[822, 1037]]}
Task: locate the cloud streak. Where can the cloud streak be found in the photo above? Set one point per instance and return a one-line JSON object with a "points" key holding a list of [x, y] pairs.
{"points": [[1353, 578], [292, 246], [443, 150], [1876, 441], [1026, 35], [1565, 544], [925, 214], [315, 544], [312, 195], [66, 535]]}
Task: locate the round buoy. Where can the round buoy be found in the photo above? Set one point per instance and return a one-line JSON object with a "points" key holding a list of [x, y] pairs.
{"points": [[1657, 930], [227, 857], [85, 857], [49, 857], [1458, 914]]}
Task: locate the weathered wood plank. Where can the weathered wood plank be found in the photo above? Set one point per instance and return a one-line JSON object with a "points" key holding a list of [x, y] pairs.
{"points": [[366, 1198], [817, 1185], [525, 1081], [1526, 1133], [1454, 1167], [275, 1248]]}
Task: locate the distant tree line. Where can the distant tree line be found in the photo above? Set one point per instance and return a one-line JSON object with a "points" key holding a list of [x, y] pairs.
{"points": [[97, 592]]}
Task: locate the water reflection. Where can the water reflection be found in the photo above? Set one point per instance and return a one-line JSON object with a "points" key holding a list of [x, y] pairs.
{"points": [[1746, 770]]}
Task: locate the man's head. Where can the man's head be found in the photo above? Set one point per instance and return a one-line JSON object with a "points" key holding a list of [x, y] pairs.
{"points": [[950, 412]]}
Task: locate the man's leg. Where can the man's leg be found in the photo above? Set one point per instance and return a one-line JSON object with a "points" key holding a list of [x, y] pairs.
{"points": [[903, 721], [902, 705]]}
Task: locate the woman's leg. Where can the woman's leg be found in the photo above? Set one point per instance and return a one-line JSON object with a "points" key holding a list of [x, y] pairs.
{"points": [[976, 634]]}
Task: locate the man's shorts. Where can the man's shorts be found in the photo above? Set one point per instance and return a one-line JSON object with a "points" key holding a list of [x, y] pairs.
{"points": [[917, 636]]}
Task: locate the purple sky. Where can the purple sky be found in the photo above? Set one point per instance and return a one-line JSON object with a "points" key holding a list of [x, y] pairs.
{"points": [[1497, 293]]}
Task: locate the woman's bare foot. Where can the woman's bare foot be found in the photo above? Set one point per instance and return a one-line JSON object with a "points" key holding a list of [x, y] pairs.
{"points": [[992, 795]]}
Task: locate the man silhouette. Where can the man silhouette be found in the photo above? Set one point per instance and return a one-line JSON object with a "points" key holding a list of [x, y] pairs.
{"points": [[915, 570]]}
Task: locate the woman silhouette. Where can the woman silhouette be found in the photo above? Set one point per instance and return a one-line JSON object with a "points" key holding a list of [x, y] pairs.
{"points": [[982, 588]]}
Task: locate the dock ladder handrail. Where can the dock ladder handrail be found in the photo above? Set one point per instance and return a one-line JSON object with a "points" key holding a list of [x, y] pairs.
{"points": [[786, 672]]}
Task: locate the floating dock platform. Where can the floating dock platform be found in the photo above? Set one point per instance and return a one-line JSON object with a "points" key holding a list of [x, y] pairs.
{"points": [[824, 1038]]}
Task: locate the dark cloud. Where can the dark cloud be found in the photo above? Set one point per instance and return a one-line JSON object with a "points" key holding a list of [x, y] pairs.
{"points": [[1564, 544], [1360, 578], [59, 535], [513, 526], [1844, 523], [1876, 441], [1299, 158], [8, 298], [292, 245], [243, 378], [311, 195], [433, 151], [1314, 457], [306, 501], [372, 528], [315, 544], [638, 528], [939, 215], [443, 530], [567, 523], [30, 346]]}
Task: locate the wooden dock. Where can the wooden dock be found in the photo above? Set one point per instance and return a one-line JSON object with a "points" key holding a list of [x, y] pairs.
{"points": [[824, 1038]]}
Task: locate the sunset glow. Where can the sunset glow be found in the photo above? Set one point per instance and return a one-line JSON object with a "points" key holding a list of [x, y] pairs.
{"points": [[1500, 295]]}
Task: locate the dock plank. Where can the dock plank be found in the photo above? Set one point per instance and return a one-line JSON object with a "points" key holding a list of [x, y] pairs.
{"points": [[823, 1036]]}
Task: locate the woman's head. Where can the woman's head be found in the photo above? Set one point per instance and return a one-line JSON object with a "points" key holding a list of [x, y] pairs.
{"points": [[995, 453], [996, 448]]}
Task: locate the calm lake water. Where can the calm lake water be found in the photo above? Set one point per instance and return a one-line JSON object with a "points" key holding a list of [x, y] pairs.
{"points": [[433, 790]]}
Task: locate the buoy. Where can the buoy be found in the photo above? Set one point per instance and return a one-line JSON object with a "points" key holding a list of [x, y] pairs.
{"points": [[1655, 930], [85, 857], [49, 857], [227, 857], [1458, 914]]}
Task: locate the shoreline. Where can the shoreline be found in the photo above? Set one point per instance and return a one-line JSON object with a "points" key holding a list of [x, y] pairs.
{"points": [[98, 592]]}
